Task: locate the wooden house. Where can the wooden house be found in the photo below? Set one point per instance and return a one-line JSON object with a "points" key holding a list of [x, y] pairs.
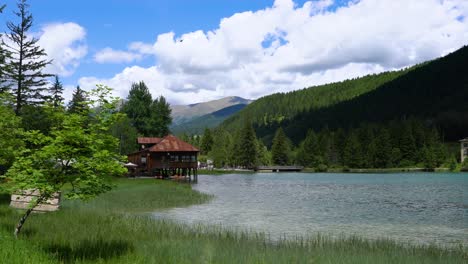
{"points": [[165, 157], [464, 149]]}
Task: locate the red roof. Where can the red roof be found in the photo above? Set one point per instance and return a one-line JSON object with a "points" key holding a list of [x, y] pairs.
{"points": [[171, 143], [148, 140]]}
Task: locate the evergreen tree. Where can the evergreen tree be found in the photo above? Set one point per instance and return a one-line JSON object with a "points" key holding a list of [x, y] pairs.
{"points": [[310, 153], [207, 142], [383, 158], [56, 92], [246, 151], [79, 100], [138, 107], [264, 156], [4, 86], [26, 60], [159, 120], [280, 149], [407, 145], [352, 152]]}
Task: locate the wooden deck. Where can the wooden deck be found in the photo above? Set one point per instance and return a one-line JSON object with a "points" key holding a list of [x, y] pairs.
{"points": [[279, 168]]}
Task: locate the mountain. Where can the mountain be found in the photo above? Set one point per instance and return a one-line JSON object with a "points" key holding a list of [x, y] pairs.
{"points": [[435, 91], [198, 124], [195, 117]]}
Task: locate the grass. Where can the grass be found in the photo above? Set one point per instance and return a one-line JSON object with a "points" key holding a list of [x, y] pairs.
{"points": [[115, 228]]}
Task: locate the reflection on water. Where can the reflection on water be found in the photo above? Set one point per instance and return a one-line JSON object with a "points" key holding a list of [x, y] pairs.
{"points": [[418, 208]]}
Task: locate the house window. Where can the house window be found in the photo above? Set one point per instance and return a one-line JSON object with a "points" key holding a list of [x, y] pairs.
{"points": [[174, 158], [143, 160], [465, 145], [194, 158]]}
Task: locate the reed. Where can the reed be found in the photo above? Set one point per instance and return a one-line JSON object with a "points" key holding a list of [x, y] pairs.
{"points": [[118, 228]]}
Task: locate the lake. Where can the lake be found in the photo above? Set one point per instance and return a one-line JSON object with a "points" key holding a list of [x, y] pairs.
{"points": [[421, 208]]}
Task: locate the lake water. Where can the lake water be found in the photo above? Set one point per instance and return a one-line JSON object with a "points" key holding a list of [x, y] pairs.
{"points": [[409, 207]]}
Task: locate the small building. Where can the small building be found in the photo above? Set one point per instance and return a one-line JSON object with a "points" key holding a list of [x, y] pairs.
{"points": [[464, 149], [165, 157]]}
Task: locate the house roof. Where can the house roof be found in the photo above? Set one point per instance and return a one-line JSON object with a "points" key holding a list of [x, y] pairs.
{"points": [[463, 140], [148, 140], [171, 143]]}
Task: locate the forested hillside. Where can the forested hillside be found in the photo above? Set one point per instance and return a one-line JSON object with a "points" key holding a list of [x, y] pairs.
{"points": [[435, 93], [277, 108]]}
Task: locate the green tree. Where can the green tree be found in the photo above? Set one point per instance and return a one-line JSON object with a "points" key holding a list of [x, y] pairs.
{"points": [[138, 107], [280, 149], [264, 156], [4, 86], [246, 151], [310, 153], [126, 133], [26, 59], [79, 152], [220, 154], [11, 142], [79, 101], [352, 151], [159, 120], [207, 141], [383, 153], [56, 93]]}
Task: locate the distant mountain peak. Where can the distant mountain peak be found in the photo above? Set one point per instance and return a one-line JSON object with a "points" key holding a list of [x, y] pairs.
{"points": [[185, 113]]}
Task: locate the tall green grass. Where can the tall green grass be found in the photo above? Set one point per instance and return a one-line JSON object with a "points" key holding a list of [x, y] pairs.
{"points": [[115, 228]]}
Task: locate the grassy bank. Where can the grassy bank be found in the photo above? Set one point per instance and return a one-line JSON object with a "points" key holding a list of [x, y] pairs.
{"points": [[114, 229]]}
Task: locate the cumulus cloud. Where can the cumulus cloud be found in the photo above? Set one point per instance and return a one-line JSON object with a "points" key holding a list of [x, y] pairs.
{"points": [[109, 55], [64, 44], [286, 47]]}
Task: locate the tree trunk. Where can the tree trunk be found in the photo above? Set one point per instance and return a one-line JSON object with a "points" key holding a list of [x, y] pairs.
{"points": [[26, 214]]}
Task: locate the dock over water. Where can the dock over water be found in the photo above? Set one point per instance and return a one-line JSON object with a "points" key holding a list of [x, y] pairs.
{"points": [[278, 168]]}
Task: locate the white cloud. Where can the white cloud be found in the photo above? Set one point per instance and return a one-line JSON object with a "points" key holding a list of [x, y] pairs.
{"points": [[64, 44], [109, 55], [287, 47]]}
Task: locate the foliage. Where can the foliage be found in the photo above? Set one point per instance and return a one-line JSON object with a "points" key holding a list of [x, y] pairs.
{"points": [[246, 149], [26, 61], [126, 133], [207, 142], [78, 151], [280, 149], [56, 93], [10, 136], [159, 119], [79, 102], [150, 118]]}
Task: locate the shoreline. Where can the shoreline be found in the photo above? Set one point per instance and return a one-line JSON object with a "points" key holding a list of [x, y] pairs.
{"points": [[110, 229]]}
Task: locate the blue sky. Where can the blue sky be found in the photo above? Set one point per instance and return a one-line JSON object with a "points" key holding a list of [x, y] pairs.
{"points": [[260, 47]]}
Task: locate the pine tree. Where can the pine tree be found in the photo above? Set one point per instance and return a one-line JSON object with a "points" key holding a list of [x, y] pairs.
{"points": [[310, 154], [383, 158], [26, 60], [207, 141], [56, 92], [78, 102], [159, 120], [4, 86], [280, 149], [138, 107], [407, 145], [352, 152], [247, 148]]}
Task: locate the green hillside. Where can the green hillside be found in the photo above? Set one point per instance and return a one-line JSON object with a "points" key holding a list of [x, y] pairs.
{"points": [[436, 92]]}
